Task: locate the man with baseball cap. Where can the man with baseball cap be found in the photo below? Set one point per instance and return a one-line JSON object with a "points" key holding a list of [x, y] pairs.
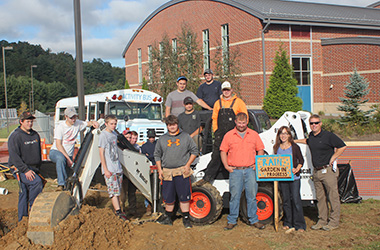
{"points": [[24, 146], [210, 90], [223, 120], [65, 135], [190, 121], [174, 101]]}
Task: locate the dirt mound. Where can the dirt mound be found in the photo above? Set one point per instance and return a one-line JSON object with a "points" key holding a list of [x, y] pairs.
{"points": [[92, 228]]}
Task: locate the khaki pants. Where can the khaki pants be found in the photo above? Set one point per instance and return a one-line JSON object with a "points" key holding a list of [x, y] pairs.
{"points": [[326, 187]]}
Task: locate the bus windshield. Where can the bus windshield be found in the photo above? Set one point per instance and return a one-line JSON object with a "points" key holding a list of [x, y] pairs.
{"points": [[151, 111]]}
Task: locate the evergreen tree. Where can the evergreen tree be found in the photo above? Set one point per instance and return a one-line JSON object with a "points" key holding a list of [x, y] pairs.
{"points": [[356, 90], [144, 84], [282, 91], [126, 86]]}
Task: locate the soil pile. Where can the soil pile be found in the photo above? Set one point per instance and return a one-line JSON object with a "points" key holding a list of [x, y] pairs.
{"points": [[92, 228]]}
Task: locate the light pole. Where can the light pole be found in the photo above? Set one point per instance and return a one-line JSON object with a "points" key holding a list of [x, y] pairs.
{"points": [[5, 85], [31, 75]]}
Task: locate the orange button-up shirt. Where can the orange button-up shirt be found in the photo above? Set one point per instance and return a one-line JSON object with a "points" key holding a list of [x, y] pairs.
{"points": [[241, 152]]}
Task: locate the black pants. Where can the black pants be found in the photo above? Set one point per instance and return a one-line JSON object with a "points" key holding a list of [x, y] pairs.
{"points": [[215, 164], [132, 204]]}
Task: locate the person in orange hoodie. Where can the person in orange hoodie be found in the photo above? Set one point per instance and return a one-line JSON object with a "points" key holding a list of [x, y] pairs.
{"points": [[223, 120]]}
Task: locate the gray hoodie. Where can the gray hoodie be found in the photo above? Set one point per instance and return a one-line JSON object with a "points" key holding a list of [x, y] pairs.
{"points": [[174, 150]]}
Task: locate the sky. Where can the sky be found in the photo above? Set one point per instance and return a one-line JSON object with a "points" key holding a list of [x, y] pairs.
{"points": [[107, 25]]}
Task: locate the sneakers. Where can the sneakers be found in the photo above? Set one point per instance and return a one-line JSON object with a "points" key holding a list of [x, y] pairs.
{"points": [[186, 222], [317, 226], [165, 220], [329, 228], [230, 226], [201, 182], [59, 188], [121, 215], [258, 225]]}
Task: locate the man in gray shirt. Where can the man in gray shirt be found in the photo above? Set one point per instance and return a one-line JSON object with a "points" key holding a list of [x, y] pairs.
{"points": [[174, 153], [174, 101]]}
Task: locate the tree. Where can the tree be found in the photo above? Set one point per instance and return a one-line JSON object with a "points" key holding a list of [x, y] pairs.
{"points": [[356, 90], [144, 84], [282, 91], [126, 86], [169, 62], [227, 66], [23, 108]]}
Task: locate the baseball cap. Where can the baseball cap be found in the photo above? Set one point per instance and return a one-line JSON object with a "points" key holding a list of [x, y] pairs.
{"points": [[226, 85], [151, 133], [182, 78], [208, 71], [26, 115], [70, 112], [188, 100]]}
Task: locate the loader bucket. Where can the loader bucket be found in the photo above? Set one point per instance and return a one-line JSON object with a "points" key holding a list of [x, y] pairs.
{"points": [[47, 211]]}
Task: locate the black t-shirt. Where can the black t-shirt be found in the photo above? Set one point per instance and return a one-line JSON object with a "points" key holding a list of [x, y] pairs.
{"points": [[189, 122], [209, 93], [322, 147]]}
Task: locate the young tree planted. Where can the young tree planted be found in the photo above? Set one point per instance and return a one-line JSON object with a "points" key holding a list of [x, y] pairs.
{"points": [[282, 91], [355, 92]]}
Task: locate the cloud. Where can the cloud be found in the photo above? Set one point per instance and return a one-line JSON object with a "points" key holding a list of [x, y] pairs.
{"points": [[107, 25]]}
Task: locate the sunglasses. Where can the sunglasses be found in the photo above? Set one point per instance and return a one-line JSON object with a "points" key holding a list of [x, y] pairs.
{"points": [[312, 123]]}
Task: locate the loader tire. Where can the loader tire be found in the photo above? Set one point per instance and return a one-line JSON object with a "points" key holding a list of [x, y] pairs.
{"points": [[265, 205], [206, 205]]}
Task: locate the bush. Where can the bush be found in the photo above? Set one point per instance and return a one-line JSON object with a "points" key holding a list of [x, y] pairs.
{"points": [[282, 91]]}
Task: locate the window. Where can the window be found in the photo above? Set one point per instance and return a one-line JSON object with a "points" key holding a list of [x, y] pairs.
{"points": [[140, 65], [150, 61], [301, 31], [206, 49], [301, 66], [174, 45], [225, 46]]}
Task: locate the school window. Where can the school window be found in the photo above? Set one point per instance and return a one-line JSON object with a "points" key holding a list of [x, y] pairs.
{"points": [[150, 62], [206, 49], [140, 65], [301, 67], [161, 49], [174, 45], [225, 45], [300, 31]]}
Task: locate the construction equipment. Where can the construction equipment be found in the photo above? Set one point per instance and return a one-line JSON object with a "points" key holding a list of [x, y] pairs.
{"points": [[207, 201]]}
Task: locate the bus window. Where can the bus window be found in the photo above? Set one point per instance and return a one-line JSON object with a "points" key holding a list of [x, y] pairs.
{"points": [[136, 110]]}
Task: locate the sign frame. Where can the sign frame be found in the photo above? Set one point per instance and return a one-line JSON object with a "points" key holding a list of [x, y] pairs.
{"points": [[260, 158]]}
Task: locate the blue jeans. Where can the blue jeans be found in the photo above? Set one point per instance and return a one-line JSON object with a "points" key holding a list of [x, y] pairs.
{"points": [[292, 204], [243, 179], [60, 165], [30, 191]]}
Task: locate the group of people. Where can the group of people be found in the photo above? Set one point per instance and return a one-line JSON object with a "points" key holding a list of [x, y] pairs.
{"points": [[235, 147]]}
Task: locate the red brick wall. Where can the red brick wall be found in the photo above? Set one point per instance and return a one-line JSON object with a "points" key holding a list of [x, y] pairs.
{"points": [[242, 27]]}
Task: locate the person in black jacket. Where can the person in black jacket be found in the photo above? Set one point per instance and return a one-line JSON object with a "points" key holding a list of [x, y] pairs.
{"points": [[24, 146], [291, 198]]}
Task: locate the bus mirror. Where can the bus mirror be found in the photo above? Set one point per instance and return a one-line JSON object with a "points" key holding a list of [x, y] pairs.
{"points": [[126, 118]]}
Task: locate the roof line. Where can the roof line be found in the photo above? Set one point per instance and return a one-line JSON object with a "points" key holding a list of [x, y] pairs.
{"points": [[351, 40], [174, 2], [286, 18]]}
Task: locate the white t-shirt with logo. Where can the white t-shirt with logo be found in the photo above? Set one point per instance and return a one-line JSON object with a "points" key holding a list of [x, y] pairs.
{"points": [[68, 135]]}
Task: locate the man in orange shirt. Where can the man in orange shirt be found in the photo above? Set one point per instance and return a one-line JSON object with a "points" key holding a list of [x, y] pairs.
{"points": [[223, 120], [238, 151]]}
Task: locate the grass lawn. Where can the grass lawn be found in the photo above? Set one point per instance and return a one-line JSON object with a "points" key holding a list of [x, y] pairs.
{"points": [[4, 133]]}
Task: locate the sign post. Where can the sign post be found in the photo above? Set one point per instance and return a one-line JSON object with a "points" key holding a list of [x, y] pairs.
{"points": [[274, 168]]}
